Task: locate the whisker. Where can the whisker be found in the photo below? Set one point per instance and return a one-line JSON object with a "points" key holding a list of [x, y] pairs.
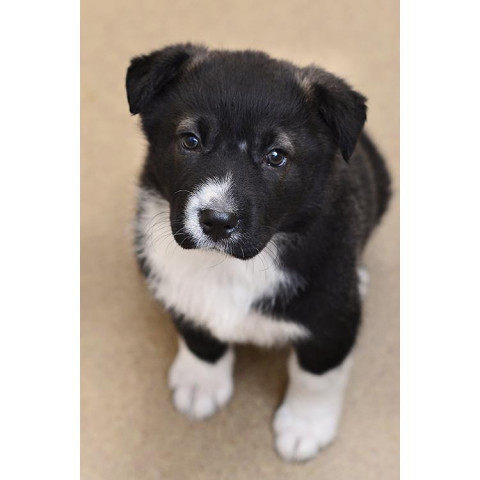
{"points": [[221, 261], [166, 234]]}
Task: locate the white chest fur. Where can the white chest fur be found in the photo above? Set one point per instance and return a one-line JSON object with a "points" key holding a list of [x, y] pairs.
{"points": [[210, 288]]}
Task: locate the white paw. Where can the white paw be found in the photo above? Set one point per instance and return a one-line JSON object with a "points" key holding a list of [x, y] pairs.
{"points": [[308, 418], [363, 281], [299, 438], [200, 388]]}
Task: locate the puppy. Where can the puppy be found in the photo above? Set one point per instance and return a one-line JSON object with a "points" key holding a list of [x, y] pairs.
{"points": [[257, 196]]}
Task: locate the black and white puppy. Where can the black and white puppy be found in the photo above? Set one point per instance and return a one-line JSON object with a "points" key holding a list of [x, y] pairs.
{"points": [[251, 224]]}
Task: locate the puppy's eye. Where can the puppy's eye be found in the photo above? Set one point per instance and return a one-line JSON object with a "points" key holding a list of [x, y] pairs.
{"points": [[190, 141], [276, 158]]}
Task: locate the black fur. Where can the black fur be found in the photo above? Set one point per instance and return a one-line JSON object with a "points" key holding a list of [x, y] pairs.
{"points": [[199, 341], [326, 206]]}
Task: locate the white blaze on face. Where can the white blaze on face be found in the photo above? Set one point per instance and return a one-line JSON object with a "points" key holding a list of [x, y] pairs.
{"points": [[214, 194]]}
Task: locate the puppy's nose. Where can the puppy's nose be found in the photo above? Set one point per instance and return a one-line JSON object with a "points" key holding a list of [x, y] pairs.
{"points": [[218, 225]]}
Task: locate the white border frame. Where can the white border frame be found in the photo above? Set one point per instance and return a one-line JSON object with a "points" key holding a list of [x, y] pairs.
{"points": [[440, 240], [39, 255]]}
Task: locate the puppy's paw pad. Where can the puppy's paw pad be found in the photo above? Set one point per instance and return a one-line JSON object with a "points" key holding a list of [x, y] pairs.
{"points": [[300, 438]]}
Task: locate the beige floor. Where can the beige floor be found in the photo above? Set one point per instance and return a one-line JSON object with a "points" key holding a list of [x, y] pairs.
{"points": [[129, 428]]}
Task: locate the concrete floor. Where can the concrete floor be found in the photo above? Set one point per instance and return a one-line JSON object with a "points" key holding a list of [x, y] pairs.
{"points": [[129, 427]]}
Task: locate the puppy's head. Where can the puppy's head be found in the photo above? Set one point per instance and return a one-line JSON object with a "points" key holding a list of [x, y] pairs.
{"points": [[240, 145]]}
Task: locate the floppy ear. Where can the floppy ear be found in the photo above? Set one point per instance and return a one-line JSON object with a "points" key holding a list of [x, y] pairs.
{"points": [[342, 109], [149, 75]]}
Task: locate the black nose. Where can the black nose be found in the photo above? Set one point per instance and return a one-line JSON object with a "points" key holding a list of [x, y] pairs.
{"points": [[218, 225]]}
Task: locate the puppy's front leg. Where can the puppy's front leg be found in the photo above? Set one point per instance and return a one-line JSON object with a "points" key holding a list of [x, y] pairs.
{"points": [[308, 418], [201, 375]]}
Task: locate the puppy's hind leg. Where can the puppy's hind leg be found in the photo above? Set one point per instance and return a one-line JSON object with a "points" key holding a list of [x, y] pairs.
{"points": [[201, 376]]}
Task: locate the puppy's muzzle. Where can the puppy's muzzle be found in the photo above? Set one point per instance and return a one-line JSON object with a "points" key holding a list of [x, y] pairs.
{"points": [[217, 225]]}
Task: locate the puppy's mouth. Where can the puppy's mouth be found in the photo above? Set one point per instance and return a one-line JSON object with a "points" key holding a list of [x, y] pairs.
{"points": [[233, 246]]}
